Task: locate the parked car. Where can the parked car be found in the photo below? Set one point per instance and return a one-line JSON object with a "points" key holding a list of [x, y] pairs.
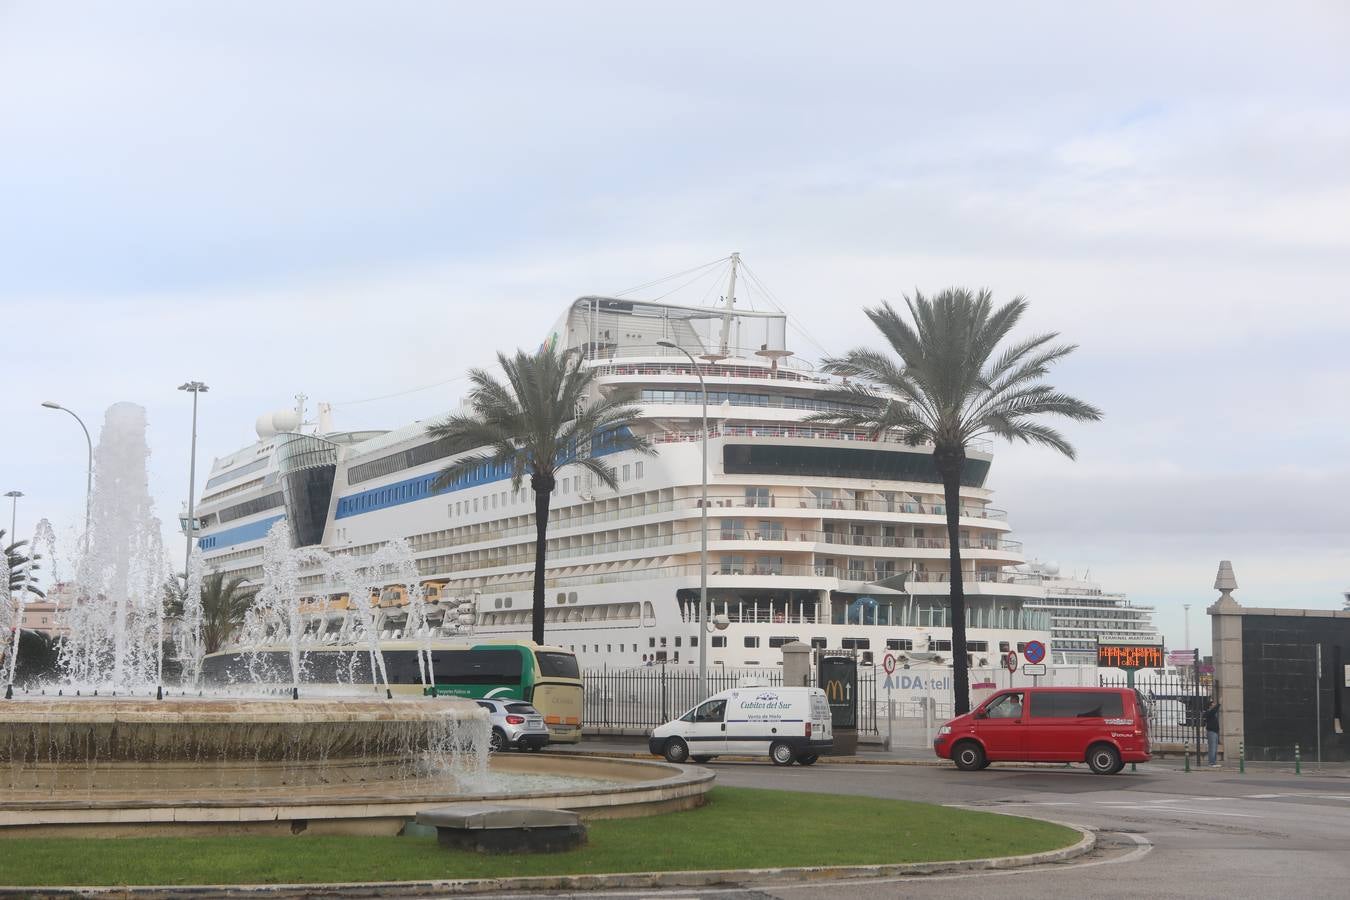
{"points": [[515, 723], [790, 724], [1104, 727]]}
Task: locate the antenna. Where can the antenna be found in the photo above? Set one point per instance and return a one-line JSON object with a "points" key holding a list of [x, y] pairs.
{"points": [[730, 306]]}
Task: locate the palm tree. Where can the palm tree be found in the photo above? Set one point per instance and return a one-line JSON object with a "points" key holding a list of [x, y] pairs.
{"points": [[224, 604], [950, 386], [22, 567], [546, 416]]}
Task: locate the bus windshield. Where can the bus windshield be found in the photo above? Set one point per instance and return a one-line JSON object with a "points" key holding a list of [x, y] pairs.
{"points": [[557, 665]]}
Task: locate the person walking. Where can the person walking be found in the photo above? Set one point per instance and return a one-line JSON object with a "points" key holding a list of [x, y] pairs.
{"points": [[1212, 732]]}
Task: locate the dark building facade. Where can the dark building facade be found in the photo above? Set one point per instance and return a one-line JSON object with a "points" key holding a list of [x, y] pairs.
{"points": [[1266, 665]]}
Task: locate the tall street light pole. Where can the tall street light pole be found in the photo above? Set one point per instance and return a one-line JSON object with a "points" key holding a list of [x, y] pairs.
{"points": [[18, 600], [89, 469], [195, 387], [703, 542]]}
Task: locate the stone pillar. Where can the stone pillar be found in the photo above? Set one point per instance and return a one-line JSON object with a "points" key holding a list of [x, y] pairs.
{"points": [[1226, 623], [796, 664]]}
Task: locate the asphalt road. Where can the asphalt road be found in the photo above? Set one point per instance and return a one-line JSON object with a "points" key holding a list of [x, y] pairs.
{"points": [[1162, 833]]}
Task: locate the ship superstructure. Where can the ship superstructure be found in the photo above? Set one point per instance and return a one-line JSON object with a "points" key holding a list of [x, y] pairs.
{"points": [[804, 519], [1081, 613]]}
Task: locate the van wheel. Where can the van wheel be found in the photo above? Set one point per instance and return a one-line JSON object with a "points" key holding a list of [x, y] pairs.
{"points": [[808, 760], [677, 751], [968, 756], [497, 742], [1104, 759], [782, 754], [700, 759]]}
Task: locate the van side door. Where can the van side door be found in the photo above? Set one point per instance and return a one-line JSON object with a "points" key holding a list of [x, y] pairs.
{"points": [[1052, 733], [707, 733], [1000, 726]]}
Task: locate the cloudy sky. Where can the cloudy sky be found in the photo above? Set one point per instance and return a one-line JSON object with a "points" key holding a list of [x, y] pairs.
{"points": [[357, 200]]}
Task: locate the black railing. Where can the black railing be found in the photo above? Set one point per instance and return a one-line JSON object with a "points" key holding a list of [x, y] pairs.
{"points": [[653, 695], [1176, 707]]}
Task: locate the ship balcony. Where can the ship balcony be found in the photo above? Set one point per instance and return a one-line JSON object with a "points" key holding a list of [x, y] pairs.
{"points": [[804, 432]]}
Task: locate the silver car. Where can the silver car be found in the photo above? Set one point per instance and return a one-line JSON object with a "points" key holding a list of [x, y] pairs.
{"points": [[515, 723]]}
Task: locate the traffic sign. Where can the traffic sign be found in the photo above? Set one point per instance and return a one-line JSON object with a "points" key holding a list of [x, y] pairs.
{"points": [[1035, 651], [1010, 661], [1033, 669], [888, 663]]}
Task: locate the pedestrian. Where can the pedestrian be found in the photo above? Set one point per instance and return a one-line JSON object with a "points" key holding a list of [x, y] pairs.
{"points": [[1212, 732]]}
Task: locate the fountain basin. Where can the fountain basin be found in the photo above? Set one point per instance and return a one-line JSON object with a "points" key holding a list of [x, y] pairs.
{"points": [[322, 765], [95, 746]]}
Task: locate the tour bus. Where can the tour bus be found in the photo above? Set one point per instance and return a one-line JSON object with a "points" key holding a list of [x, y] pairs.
{"points": [[1104, 727], [546, 677]]}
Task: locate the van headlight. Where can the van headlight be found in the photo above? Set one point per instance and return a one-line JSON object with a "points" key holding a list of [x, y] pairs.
{"points": [[945, 729]]}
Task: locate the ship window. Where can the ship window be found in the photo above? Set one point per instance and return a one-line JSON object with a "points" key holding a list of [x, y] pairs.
{"points": [[778, 641], [719, 640], [637, 470], [899, 644], [752, 642], [856, 643], [677, 641], [941, 645], [819, 643], [627, 471], [977, 646]]}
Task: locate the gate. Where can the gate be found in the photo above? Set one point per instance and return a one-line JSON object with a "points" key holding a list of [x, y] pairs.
{"points": [[653, 695], [1176, 707]]}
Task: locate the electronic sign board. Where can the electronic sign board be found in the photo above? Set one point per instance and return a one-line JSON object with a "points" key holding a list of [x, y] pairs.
{"points": [[1130, 656]]}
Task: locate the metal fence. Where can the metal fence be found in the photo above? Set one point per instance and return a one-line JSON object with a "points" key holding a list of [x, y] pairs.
{"points": [[653, 695], [1176, 707]]}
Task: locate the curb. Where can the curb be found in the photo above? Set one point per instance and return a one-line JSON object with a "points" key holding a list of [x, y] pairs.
{"points": [[1086, 842], [834, 760]]}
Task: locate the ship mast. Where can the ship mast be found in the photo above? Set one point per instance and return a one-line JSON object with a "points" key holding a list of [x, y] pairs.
{"points": [[730, 306]]}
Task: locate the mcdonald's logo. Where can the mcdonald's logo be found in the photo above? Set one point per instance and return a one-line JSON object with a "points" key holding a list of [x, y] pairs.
{"points": [[835, 690]]}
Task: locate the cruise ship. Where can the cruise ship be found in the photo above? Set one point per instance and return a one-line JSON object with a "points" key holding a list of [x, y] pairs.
{"points": [[1081, 613], [804, 519]]}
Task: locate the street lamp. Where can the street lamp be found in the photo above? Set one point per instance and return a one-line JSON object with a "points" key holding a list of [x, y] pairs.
{"points": [[195, 387], [89, 470], [13, 513], [18, 601], [703, 543]]}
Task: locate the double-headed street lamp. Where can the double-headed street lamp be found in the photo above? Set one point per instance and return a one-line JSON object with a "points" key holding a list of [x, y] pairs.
{"points": [[195, 388], [89, 470], [703, 543]]}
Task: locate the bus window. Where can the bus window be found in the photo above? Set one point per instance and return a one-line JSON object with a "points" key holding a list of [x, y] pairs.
{"points": [[557, 665]]}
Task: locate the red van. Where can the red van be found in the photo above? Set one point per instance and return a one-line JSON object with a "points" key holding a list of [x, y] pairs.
{"points": [[1104, 727]]}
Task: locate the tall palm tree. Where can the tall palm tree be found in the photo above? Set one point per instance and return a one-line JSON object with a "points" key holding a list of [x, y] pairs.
{"points": [[547, 415], [22, 567], [951, 385]]}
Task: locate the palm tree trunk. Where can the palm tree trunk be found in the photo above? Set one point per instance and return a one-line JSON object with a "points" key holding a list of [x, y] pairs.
{"points": [[543, 494], [950, 462]]}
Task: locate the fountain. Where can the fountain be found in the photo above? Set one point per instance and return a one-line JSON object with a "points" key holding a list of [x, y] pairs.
{"points": [[98, 752]]}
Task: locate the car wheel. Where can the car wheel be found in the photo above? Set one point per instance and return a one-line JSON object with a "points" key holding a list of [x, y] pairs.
{"points": [[677, 751], [1104, 759], [497, 742], [969, 756], [782, 754], [808, 760], [700, 759]]}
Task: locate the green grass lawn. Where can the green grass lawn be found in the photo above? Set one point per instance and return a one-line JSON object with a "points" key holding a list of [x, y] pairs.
{"points": [[738, 828]]}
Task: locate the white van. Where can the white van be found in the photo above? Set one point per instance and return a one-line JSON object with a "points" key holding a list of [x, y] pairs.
{"points": [[791, 724]]}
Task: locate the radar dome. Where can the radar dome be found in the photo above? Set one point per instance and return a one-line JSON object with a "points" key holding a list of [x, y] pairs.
{"points": [[1050, 568], [269, 424]]}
